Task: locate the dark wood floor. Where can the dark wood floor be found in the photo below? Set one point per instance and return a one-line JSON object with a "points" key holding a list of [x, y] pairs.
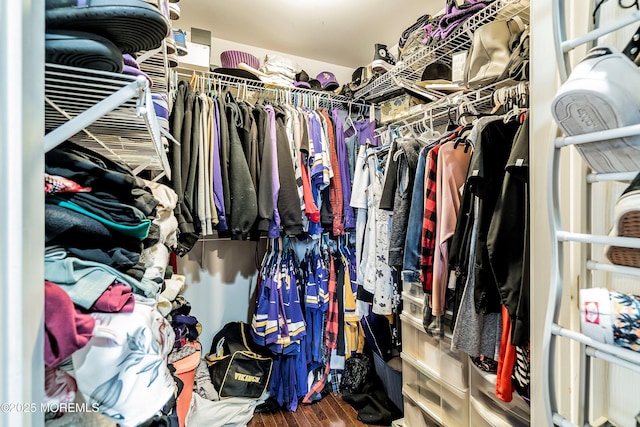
{"points": [[331, 411]]}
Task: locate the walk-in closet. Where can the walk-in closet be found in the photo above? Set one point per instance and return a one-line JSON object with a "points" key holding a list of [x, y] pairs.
{"points": [[294, 213]]}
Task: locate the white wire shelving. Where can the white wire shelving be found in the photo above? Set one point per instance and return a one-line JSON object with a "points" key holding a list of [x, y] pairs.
{"points": [[213, 81], [436, 114], [410, 70], [154, 63], [111, 114]]}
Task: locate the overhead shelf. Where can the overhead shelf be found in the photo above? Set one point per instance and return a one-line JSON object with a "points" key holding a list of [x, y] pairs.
{"points": [[109, 113], [410, 70], [438, 113]]}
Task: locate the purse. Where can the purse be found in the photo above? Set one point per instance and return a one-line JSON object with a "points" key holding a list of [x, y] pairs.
{"points": [[235, 365], [493, 50], [358, 370]]}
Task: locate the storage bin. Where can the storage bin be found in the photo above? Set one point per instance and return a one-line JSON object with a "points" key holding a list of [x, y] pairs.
{"points": [[391, 380], [455, 407], [398, 107], [414, 416], [483, 387], [412, 306], [454, 366], [186, 371], [451, 367], [414, 289], [419, 345], [423, 390], [484, 412], [444, 404], [478, 417]]}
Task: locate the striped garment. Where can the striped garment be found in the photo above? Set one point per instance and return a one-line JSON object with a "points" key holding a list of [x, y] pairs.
{"points": [[316, 156], [331, 336], [278, 321], [429, 221]]}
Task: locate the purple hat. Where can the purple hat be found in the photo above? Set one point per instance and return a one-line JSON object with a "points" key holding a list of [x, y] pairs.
{"points": [[231, 59], [327, 80], [302, 84], [132, 71]]}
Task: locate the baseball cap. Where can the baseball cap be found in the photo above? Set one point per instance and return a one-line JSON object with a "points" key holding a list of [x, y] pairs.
{"points": [[327, 81]]}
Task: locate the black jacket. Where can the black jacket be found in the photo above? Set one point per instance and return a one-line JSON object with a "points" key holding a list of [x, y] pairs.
{"points": [[244, 206], [265, 187], [288, 199]]}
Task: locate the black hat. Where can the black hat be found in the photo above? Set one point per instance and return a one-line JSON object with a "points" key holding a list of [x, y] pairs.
{"points": [[437, 72]]}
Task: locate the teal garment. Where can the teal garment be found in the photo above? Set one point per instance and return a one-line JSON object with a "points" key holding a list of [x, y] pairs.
{"points": [[140, 231], [84, 281]]}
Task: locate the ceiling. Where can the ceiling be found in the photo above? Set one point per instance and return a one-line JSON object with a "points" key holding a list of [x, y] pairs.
{"points": [[341, 32]]}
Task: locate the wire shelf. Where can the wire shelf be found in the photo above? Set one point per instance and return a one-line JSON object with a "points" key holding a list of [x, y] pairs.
{"points": [[321, 98], [124, 130], [154, 64], [410, 70], [439, 113]]}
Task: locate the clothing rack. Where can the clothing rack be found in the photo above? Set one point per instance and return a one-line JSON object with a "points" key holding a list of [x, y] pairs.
{"points": [[292, 95], [455, 106]]}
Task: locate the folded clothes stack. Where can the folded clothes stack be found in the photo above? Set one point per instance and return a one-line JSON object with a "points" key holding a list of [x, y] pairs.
{"points": [[108, 235]]}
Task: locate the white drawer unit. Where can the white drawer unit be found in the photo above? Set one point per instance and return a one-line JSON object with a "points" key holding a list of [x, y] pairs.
{"points": [[485, 412], [415, 415], [487, 415], [413, 289], [441, 402], [412, 306], [435, 355], [483, 387]]}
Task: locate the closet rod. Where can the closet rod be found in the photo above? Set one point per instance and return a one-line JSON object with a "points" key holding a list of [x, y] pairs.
{"points": [[259, 85], [434, 112]]}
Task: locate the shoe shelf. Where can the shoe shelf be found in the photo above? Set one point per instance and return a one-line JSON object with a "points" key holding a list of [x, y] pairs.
{"points": [[590, 350], [111, 114], [154, 63], [410, 70]]}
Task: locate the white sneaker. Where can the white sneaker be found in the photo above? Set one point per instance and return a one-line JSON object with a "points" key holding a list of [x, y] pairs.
{"points": [[601, 93], [626, 224]]}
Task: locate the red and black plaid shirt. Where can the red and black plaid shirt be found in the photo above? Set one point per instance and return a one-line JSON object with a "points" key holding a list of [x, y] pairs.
{"points": [[335, 193], [428, 245]]}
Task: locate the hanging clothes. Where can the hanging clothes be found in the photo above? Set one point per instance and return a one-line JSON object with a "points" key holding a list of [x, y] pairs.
{"points": [[376, 273]]}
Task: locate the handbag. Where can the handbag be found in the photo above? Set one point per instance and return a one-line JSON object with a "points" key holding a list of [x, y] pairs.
{"points": [[493, 49], [236, 367], [358, 370]]}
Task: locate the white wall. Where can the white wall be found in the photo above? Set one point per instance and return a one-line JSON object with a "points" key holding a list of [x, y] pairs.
{"points": [[221, 277], [311, 66]]}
